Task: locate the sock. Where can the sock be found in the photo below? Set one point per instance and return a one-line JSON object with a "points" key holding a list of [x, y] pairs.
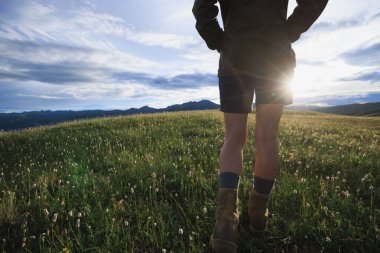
{"points": [[262, 185], [228, 180]]}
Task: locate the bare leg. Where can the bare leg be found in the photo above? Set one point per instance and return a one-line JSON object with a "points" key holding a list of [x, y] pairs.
{"points": [[267, 157], [231, 155]]}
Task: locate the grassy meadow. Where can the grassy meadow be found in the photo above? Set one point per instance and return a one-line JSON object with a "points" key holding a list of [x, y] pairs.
{"points": [[148, 183]]}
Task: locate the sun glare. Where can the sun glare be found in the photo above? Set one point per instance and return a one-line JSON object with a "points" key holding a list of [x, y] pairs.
{"points": [[304, 81]]}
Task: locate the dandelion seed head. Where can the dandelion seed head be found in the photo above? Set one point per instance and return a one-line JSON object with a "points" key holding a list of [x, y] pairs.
{"points": [[346, 193]]}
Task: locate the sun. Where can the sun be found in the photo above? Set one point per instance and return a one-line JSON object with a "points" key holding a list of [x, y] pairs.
{"points": [[303, 81]]}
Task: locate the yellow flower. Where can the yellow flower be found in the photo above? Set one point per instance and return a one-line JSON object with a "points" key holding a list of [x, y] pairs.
{"points": [[66, 250]]}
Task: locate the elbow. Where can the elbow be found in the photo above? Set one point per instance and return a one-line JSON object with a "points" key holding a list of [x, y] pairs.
{"points": [[195, 9]]}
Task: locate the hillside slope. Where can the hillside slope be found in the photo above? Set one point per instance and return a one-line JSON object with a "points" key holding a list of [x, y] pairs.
{"points": [[130, 183], [366, 109]]}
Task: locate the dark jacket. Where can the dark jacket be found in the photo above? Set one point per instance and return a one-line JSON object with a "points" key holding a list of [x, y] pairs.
{"points": [[257, 34]]}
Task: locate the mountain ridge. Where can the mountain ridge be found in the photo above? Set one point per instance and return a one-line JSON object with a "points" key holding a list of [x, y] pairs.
{"points": [[21, 120]]}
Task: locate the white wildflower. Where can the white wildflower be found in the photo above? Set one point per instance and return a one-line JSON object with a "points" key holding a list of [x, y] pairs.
{"points": [[346, 193], [55, 216]]}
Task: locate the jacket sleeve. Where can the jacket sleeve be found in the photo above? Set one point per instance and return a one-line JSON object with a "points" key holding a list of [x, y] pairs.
{"points": [[205, 13], [303, 16]]}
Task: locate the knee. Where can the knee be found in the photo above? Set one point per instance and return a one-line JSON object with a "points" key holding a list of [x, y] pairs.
{"points": [[236, 138], [265, 136]]}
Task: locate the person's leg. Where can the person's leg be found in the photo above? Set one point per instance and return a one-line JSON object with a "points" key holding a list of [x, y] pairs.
{"points": [[231, 154], [267, 158], [266, 165], [236, 95]]}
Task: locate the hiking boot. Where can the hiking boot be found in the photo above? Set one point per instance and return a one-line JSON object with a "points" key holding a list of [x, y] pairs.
{"points": [[258, 212], [224, 236]]}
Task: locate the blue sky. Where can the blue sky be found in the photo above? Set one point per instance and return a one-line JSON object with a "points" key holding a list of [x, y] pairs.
{"points": [[114, 54]]}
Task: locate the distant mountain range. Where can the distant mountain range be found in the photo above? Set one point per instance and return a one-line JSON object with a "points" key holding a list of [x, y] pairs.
{"points": [[15, 121], [367, 109]]}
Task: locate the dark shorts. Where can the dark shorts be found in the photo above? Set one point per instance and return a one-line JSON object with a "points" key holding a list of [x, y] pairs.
{"points": [[237, 92]]}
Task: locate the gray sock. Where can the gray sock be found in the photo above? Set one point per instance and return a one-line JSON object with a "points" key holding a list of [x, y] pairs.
{"points": [[262, 185], [228, 180]]}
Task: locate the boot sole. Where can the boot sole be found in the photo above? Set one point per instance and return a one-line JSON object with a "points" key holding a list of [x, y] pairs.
{"points": [[222, 246]]}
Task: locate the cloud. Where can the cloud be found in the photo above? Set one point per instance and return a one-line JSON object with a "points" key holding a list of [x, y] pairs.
{"points": [[372, 76], [103, 23], [332, 100], [34, 21], [38, 96], [364, 55], [340, 24], [59, 64], [64, 64], [183, 81]]}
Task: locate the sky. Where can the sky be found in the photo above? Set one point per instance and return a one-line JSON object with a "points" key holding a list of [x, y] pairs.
{"points": [[118, 54]]}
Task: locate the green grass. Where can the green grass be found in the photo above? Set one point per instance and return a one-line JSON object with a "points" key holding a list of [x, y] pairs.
{"points": [[129, 184]]}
